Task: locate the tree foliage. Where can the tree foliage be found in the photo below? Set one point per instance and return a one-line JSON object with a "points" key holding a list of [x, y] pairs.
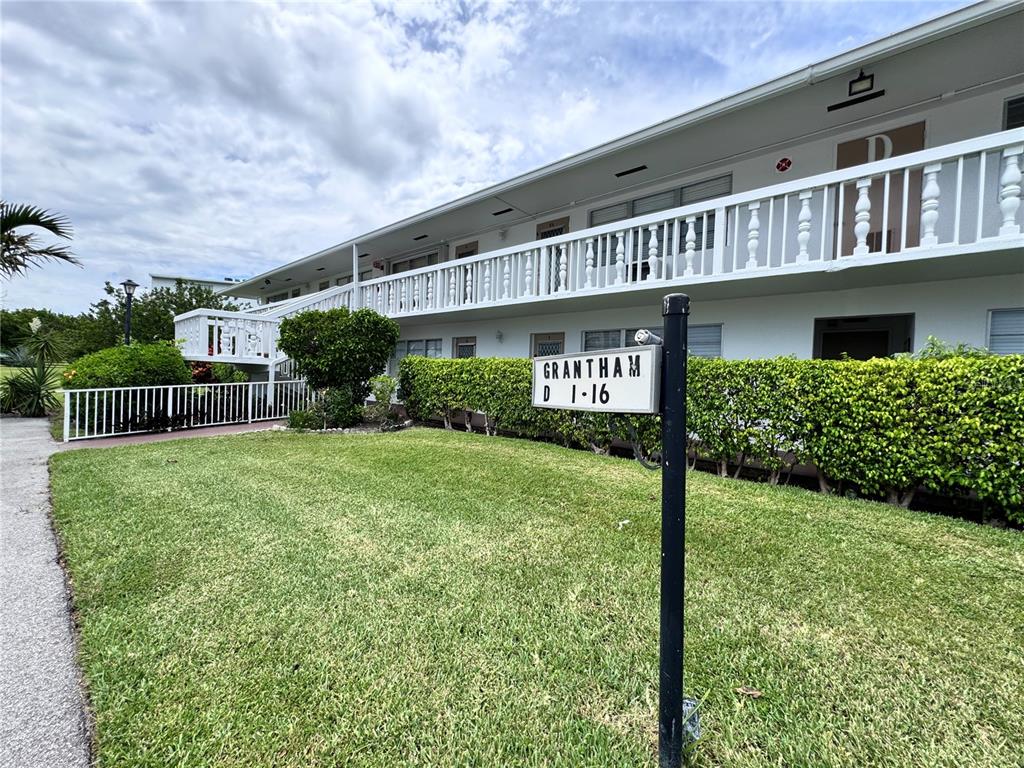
{"points": [[20, 250], [31, 390], [340, 350]]}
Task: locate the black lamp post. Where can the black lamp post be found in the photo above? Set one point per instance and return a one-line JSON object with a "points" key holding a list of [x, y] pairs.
{"points": [[129, 286]]}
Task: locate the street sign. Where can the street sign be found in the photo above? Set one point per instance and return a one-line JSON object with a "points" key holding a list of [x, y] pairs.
{"points": [[650, 378], [626, 380]]}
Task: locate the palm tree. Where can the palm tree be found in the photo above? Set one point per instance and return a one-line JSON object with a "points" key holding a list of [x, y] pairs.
{"points": [[19, 251]]}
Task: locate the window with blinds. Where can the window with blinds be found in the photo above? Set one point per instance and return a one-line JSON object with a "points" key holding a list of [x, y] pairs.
{"points": [[704, 340], [1006, 331], [707, 189], [1013, 115]]}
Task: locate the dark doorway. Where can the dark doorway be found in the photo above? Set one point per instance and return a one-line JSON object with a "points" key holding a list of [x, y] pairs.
{"points": [[864, 337]]}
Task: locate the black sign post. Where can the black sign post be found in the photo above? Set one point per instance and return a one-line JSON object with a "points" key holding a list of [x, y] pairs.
{"points": [[675, 729]]}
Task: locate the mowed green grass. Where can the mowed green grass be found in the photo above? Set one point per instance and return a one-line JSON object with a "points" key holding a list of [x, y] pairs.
{"points": [[432, 598]]}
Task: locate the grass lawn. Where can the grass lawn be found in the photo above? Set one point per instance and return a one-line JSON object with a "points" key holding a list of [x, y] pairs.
{"points": [[437, 598]]}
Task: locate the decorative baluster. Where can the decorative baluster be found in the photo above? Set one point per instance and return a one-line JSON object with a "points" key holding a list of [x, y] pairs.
{"points": [[469, 283], [753, 232], [403, 296], [591, 275], [653, 261], [803, 227], [506, 280], [450, 277], [563, 268], [1009, 190], [529, 273], [416, 293], [620, 258], [487, 281], [930, 204], [691, 243], [430, 291], [862, 217]]}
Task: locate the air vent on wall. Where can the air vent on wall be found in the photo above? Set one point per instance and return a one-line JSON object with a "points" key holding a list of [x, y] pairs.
{"points": [[320, 269], [628, 171], [502, 212], [420, 237]]}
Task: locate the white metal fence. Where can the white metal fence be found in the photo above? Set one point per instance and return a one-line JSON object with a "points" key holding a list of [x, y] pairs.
{"points": [[116, 411]]}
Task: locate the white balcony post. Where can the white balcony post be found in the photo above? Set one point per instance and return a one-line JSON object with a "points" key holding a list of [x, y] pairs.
{"points": [[718, 251], [356, 302], [862, 217], [590, 263], [249, 406], [67, 415], [529, 272], [1009, 190], [620, 258], [653, 262], [930, 204], [753, 232], [691, 244], [803, 227], [563, 269], [506, 279]]}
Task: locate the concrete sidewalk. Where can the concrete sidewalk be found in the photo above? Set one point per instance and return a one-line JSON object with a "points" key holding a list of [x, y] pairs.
{"points": [[42, 706], [157, 437]]}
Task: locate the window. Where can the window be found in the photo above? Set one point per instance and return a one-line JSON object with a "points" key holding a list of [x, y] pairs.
{"points": [[277, 297], [464, 346], [547, 344], [467, 249], [324, 285], [1013, 113], [552, 228], [422, 347], [862, 338], [415, 262], [1006, 331], [366, 274], [296, 292], [343, 280], [661, 201], [703, 340]]}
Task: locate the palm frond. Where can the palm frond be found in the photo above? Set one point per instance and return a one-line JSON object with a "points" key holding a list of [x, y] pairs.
{"points": [[13, 215]]}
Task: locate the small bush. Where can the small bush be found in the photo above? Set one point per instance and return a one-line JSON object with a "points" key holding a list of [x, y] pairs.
{"points": [[31, 390], [226, 373], [304, 419], [382, 388], [337, 409], [136, 365]]}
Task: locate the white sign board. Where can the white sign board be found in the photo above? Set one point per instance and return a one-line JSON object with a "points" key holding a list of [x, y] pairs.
{"points": [[626, 380]]}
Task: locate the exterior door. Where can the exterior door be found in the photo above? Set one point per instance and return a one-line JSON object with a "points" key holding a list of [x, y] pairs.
{"points": [[879, 146]]}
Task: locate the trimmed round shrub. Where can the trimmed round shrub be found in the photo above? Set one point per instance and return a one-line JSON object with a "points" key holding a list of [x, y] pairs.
{"points": [[136, 365]]}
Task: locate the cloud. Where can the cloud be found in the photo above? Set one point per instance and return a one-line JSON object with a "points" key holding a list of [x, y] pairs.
{"points": [[216, 139]]}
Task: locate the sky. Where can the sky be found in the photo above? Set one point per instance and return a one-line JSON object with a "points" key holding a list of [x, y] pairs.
{"points": [[219, 140]]}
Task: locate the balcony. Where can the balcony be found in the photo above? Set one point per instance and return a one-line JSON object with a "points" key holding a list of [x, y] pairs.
{"points": [[909, 212]]}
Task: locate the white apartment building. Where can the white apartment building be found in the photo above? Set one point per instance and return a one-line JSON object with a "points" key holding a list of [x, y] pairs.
{"points": [[855, 206]]}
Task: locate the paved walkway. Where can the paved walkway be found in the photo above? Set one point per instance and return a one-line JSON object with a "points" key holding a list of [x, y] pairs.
{"points": [[156, 437], [42, 714]]}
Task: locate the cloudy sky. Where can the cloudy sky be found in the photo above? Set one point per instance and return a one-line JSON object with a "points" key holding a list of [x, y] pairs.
{"points": [[221, 139]]}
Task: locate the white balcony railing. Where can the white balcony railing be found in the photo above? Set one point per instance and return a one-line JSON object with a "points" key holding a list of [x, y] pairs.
{"points": [[951, 199], [959, 195]]}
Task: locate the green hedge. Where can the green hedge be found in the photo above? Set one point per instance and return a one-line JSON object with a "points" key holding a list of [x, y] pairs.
{"points": [[885, 427], [137, 365]]}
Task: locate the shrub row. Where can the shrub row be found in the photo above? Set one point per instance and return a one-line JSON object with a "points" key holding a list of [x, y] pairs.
{"points": [[885, 427]]}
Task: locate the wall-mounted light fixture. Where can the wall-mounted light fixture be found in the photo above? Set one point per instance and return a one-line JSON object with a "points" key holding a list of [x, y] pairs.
{"points": [[862, 84], [500, 337]]}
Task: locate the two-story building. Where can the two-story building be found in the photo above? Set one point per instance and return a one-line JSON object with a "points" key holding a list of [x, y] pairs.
{"points": [[856, 206]]}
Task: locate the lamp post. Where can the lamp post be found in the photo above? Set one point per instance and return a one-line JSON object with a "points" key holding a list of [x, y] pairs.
{"points": [[129, 286]]}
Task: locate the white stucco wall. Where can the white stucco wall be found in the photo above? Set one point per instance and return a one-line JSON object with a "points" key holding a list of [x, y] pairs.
{"points": [[766, 326]]}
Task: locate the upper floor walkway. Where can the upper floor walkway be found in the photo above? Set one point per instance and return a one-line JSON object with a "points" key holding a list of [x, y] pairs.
{"points": [[918, 210]]}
